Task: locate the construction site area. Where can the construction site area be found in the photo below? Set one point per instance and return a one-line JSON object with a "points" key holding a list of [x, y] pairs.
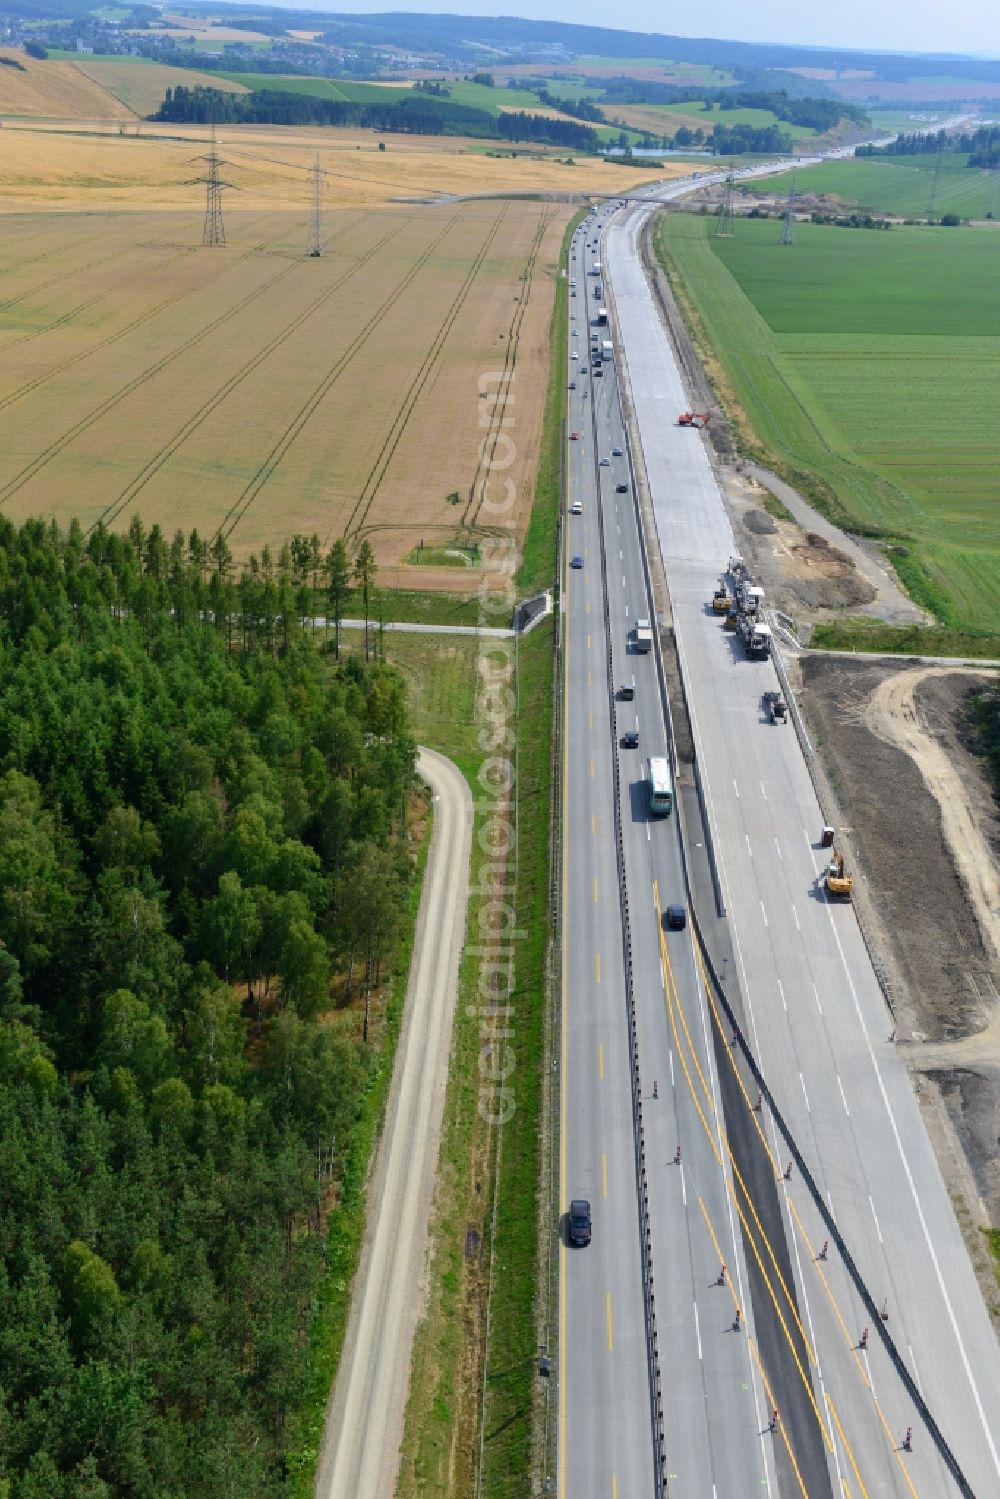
{"points": [[917, 840]]}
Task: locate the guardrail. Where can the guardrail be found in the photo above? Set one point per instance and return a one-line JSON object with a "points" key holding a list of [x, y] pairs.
{"points": [[740, 1042], [658, 1430]]}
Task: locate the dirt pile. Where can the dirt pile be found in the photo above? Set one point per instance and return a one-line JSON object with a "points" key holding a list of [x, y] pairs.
{"points": [[801, 570]]}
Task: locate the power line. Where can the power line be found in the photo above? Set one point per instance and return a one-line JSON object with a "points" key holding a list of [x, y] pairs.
{"points": [[316, 218]]}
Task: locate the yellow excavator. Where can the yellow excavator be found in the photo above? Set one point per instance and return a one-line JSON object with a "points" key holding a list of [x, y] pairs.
{"points": [[839, 883], [721, 601]]}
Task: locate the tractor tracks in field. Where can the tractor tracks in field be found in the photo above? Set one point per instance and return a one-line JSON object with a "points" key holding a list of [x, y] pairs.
{"points": [[356, 520], [163, 454], [503, 396], [112, 338], [58, 444], [238, 510], [32, 291]]}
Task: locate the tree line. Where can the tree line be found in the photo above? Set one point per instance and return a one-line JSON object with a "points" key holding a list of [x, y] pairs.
{"points": [[203, 847], [421, 113], [982, 145], [739, 140]]}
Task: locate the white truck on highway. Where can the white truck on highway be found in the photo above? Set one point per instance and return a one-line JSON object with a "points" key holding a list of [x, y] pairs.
{"points": [[595, 269], [607, 350], [643, 635]]}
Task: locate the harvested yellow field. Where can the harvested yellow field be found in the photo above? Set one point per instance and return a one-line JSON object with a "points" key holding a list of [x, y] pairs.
{"points": [[54, 89], [257, 392], [267, 164], [141, 86], [204, 30]]}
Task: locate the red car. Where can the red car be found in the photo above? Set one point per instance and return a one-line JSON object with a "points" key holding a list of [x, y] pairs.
{"points": [[574, 437]]}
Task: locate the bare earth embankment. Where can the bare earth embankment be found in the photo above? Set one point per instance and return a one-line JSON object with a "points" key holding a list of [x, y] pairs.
{"points": [[925, 830]]}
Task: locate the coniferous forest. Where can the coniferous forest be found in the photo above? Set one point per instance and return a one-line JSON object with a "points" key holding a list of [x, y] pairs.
{"points": [[202, 838]]}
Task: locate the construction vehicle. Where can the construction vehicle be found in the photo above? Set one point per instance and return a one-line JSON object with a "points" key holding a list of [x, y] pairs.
{"points": [[750, 598], [774, 707], [694, 419], [721, 601], [731, 620], [756, 637], [838, 882]]}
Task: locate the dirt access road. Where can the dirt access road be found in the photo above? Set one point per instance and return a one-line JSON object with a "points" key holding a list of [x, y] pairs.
{"points": [[364, 1424], [892, 715]]}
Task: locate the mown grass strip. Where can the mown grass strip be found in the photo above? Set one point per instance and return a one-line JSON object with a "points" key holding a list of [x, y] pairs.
{"points": [[538, 561], [512, 1348]]}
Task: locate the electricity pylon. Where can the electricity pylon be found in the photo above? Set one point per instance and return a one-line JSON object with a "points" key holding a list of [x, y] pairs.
{"points": [[788, 218], [724, 227], [315, 220], [214, 232], [935, 185]]}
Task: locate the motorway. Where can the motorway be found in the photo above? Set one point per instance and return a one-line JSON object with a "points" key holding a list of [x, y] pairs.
{"points": [[808, 1009], [715, 1394]]}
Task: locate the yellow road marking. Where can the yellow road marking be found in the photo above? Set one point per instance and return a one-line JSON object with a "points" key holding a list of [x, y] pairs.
{"points": [[783, 1429], [597, 966], [600, 1060], [588, 640], [614, 1487], [611, 1341], [595, 889], [590, 720], [591, 769], [674, 1008], [847, 1445], [590, 680], [604, 1173], [588, 606], [593, 823], [811, 1252]]}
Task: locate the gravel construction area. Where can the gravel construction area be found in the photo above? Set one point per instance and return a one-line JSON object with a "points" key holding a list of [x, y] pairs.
{"points": [[933, 899]]}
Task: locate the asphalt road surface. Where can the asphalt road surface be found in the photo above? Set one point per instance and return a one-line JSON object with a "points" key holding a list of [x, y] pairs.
{"points": [[719, 1375], [365, 1418], [817, 1024]]}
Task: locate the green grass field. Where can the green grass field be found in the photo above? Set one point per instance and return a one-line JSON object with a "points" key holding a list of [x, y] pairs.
{"points": [[320, 88], [869, 365], [900, 184], [707, 118]]}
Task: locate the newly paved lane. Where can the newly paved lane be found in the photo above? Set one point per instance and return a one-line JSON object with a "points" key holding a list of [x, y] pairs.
{"points": [[816, 1018]]}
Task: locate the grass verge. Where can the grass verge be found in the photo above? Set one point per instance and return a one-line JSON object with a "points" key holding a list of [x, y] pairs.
{"points": [[538, 563], [346, 1227], [859, 633], [512, 1373], [867, 393]]}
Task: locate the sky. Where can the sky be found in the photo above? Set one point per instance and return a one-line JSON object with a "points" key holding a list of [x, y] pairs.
{"points": [[970, 26]]}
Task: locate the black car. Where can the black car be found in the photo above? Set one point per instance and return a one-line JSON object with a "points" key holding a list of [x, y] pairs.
{"points": [[675, 918], [621, 489], [579, 1225], [630, 739]]}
